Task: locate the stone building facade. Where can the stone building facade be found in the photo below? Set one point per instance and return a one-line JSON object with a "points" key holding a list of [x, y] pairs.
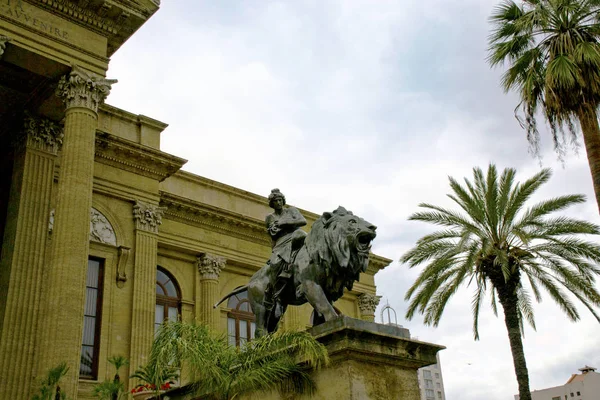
{"points": [[104, 235]]}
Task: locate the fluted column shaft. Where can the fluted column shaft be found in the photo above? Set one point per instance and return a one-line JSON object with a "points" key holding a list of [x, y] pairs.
{"points": [[209, 268], [147, 217], [291, 319], [25, 250], [82, 93]]}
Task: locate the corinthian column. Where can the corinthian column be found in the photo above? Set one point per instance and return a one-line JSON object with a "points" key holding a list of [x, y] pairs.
{"points": [[81, 93], [209, 269], [24, 253], [367, 304], [147, 218]]}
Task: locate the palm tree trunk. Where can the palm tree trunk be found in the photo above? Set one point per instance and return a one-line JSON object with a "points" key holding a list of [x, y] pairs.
{"points": [[511, 319], [588, 118]]}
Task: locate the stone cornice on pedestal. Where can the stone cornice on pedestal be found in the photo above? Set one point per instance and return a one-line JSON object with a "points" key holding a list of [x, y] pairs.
{"points": [[367, 303], [115, 19], [83, 89], [210, 266], [147, 216], [136, 158], [213, 218]]}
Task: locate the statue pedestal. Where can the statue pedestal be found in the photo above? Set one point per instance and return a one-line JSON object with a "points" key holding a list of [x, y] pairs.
{"points": [[370, 361]]}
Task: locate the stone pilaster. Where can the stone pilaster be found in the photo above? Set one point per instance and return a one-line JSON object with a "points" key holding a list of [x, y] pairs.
{"points": [[291, 319], [25, 253], [81, 93], [3, 41], [147, 218], [209, 268], [367, 304]]}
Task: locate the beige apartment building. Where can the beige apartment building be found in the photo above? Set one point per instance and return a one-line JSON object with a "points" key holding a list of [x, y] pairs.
{"points": [[431, 383], [582, 386]]}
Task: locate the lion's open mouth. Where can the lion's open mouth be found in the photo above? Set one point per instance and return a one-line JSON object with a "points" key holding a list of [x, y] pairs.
{"points": [[363, 240]]}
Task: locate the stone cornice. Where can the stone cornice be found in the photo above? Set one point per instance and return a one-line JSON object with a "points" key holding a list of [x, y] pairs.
{"points": [[115, 19], [213, 218], [377, 263], [200, 180], [133, 157]]}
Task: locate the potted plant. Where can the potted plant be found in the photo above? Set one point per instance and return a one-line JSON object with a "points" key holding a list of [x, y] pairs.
{"points": [[154, 380], [115, 389]]}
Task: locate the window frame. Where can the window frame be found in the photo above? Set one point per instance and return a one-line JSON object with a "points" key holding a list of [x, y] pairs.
{"points": [[239, 315], [98, 317], [167, 301]]}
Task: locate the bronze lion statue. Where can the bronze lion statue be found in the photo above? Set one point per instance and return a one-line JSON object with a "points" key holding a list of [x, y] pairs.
{"points": [[329, 259]]}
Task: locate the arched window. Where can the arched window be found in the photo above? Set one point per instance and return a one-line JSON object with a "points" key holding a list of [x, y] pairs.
{"points": [[168, 298], [240, 320]]}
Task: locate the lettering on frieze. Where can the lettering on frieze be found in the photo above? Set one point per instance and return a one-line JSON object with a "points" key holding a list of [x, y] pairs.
{"points": [[15, 10]]}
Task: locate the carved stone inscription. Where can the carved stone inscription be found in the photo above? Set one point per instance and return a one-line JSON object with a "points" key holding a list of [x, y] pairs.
{"points": [[20, 11]]}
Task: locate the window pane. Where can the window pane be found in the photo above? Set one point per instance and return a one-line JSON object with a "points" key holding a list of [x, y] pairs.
{"points": [[233, 302], [172, 314], [231, 331], [245, 306], [252, 329], [159, 315], [171, 291], [89, 330], [243, 329], [92, 273], [91, 300], [159, 290], [85, 367]]}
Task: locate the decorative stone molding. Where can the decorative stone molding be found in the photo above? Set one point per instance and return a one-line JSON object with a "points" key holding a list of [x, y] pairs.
{"points": [[100, 229], [3, 41], [214, 219], [141, 160], [210, 265], [41, 134], [83, 89], [147, 216], [123, 255], [367, 303]]}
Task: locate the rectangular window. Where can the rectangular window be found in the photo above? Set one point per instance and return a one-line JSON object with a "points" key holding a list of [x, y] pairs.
{"points": [[429, 394], [578, 393], [90, 345], [428, 383], [439, 394], [439, 386], [427, 374], [556, 398]]}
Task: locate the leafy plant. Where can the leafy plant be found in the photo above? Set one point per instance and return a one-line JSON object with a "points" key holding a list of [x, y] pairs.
{"points": [[277, 361], [155, 377], [115, 389], [552, 48], [50, 388], [507, 251]]}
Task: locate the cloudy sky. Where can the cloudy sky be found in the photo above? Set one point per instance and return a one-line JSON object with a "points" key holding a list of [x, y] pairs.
{"points": [[370, 104]]}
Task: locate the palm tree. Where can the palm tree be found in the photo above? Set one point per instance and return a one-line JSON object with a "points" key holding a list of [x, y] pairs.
{"points": [[277, 361], [553, 49], [507, 251]]}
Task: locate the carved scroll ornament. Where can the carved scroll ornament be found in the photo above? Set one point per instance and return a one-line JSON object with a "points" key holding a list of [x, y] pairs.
{"points": [[367, 303], [210, 266], [83, 89]]}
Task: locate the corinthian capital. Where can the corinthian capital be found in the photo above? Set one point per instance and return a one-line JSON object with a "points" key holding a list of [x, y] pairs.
{"points": [[210, 266], [3, 41], [367, 303], [147, 216], [83, 89], [42, 134]]}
